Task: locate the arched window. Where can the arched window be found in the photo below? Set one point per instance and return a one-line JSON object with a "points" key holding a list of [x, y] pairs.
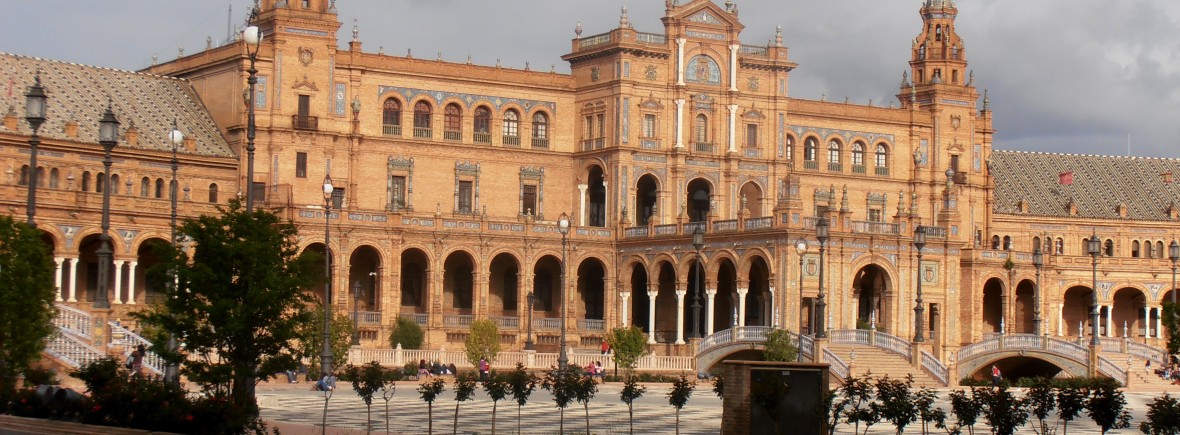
{"points": [[421, 116], [145, 187], [483, 125], [701, 129], [54, 178], [40, 176], [809, 149], [511, 126], [1037, 243], [213, 193], [451, 127], [858, 154], [1108, 248], [834, 151], [86, 181], [24, 175], [995, 242], [790, 151], [159, 188], [391, 113], [921, 51], [1159, 249], [540, 130], [100, 182], [1135, 249], [1059, 248], [882, 155], [1007, 243], [114, 184]]}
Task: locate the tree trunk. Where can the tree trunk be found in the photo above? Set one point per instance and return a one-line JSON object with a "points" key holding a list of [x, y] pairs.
{"points": [[561, 418], [631, 418], [368, 418], [586, 406], [430, 418], [455, 426], [677, 421], [494, 403]]}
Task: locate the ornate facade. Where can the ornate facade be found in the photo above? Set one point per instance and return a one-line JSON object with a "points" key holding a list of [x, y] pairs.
{"points": [[452, 177]]}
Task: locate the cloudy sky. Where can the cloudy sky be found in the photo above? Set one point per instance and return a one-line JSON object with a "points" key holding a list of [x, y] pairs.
{"points": [[1070, 76]]}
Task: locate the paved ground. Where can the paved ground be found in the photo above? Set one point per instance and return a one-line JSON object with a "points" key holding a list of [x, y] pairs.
{"points": [[297, 410]]}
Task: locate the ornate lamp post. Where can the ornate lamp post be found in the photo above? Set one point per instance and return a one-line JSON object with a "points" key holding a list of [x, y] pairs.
{"points": [[698, 242], [35, 115], [563, 226], [356, 320], [108, 136], [252, 35], [919, 310], [821, 233], [801, 249], [171, 371], [528, 341], [1174, 255], [1038, 261], [326, 353], [1093, 247]]}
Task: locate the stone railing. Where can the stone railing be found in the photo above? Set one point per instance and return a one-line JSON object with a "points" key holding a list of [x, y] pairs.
{"points": [[877, 339], [507, 360], [592, 324], [1159, 356], [807, 345], [755, 334], [510, 322], [835, 364], [759, 223], [368, 318], [129, 340], [547, 323], [72, 348], [1025, 341], [74, 320], [458, 319], [1111, 369], [935, 367], [419, 318]]}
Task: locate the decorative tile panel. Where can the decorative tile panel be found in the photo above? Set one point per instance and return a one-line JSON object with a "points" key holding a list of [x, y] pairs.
{"points": [[470, 99]]}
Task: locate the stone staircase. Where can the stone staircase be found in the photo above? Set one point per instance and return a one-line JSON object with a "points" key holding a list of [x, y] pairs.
{"points": [[879, 362], [1139, 377]]}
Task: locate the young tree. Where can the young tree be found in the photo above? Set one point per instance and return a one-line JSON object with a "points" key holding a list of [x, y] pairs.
{"points": [[833, 409], [562, 384], [1108, 408], [1070, 403], [924, 405], [239, 302], [464, 391], [632, 391], [366, 381], [407, 333], [483, 341], [387, 394], [584, 392], [1163, 417], [522, 383], [1003, 411], [311, 338], [779, 346], [26, 300], [859, 394], [429, 391], [497, 387], [678, 397], [895, 401], [1043, 401], [627, 345], [719, 386]]}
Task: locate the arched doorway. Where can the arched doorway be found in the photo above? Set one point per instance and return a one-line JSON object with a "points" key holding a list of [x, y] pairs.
{"points": [[147, 257], [725, 301], [870, 287], [1075, 311], [87, 274], [993, 305], [364, 274], [758, 309], [596, 197], [592, 291], [458, 284], [1128, 313], [414, 283], [640, 302], [504, 287], [665, 330], [698, 192], [547, 288], [646, 196], [751, 199], [1025, 303]]}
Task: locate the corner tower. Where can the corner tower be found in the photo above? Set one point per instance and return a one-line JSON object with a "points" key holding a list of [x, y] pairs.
{"points": [[938, 54]]}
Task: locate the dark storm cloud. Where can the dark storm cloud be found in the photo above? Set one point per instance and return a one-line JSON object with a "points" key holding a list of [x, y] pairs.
{"points": [[1064, 75]]}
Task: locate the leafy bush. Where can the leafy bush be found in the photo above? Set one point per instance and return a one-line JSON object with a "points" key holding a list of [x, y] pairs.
{"points": [[1163, 416], [35, 376], [407, 333]]}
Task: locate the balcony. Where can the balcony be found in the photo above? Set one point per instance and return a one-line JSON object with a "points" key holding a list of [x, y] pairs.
{"points": [[592, 144], [703, 147], [858, 169], [391, 130], [423, 133], [547, 323], [540, 142], [835, 167], [960, 177], [458, 319], [867, 227], [367, 318], [810, 164], [304, 122], [420, 318], [453, 135], [510, 141], [481, 137], [882, 171], [506, 322], [592, 325]]}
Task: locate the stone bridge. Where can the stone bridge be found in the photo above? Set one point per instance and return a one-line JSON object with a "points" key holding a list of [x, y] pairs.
{"points": [[1073, 358], [80, 340]]}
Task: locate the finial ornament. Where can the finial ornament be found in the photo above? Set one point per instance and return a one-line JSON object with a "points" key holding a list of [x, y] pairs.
{"points": [[624, 23], [971, 78], [986, 101], [355, 30], [905, 79], [778, 36], [578, 29]]}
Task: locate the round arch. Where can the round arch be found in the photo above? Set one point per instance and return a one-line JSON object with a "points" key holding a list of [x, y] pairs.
{"points": [[872, 288], [647, 190]]}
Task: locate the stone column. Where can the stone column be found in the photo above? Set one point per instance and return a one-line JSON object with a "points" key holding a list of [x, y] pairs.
{"points": [[75, 263], [1060, 318], [1110, 321], [773, 308], [709, 294], [119, 281], [741, 308], [680, 316], [651, 316], [1146, 321], [581, 204], [1159, 314], [733, 128], [733, 60], [131, 283], [57, 277], [678, 125], [624, 319], [680, 62]]}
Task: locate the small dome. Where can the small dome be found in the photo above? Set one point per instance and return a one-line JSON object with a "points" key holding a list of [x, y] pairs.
{"points": [[940, 3]]}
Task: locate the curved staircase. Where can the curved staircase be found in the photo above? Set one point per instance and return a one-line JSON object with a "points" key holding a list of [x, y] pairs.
{"points": [[879, 362]]}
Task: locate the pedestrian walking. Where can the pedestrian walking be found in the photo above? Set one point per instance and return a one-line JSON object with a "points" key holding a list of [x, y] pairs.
{"points": [[137, 360], [995, 376], [483, 369]]}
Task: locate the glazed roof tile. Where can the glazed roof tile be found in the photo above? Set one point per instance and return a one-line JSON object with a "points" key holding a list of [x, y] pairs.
{"points": [[1100, 184], [80, 93]]}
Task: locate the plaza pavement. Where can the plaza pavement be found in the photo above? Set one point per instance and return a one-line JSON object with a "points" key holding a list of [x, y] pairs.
{"points": [[295, 409]]}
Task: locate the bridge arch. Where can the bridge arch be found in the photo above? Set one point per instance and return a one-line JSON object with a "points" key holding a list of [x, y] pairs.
{"points": [[1035, 353]]}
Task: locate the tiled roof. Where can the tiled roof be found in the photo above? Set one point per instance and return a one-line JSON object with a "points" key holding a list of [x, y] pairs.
{"points": [[1100, 185], [79, 93]]}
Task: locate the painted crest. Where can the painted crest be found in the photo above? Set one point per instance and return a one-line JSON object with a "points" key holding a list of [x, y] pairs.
{"points": [[956, 120], [305, 56]]}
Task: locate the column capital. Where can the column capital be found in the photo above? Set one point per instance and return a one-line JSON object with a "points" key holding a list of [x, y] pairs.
{"points": [[711, 292], [681, 293], [742, 291]]}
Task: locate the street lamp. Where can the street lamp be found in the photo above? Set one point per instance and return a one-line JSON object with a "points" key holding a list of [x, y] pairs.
{"points": [[1093, 246], [821, 233], [356, 320], [919, 242], [252, 35], [698, 242], [171, 371], [528, 341], [326, 353], [35, 115], [563, 226], [801, 249], [1174, 255], [108, 136], [1038, 261]]}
